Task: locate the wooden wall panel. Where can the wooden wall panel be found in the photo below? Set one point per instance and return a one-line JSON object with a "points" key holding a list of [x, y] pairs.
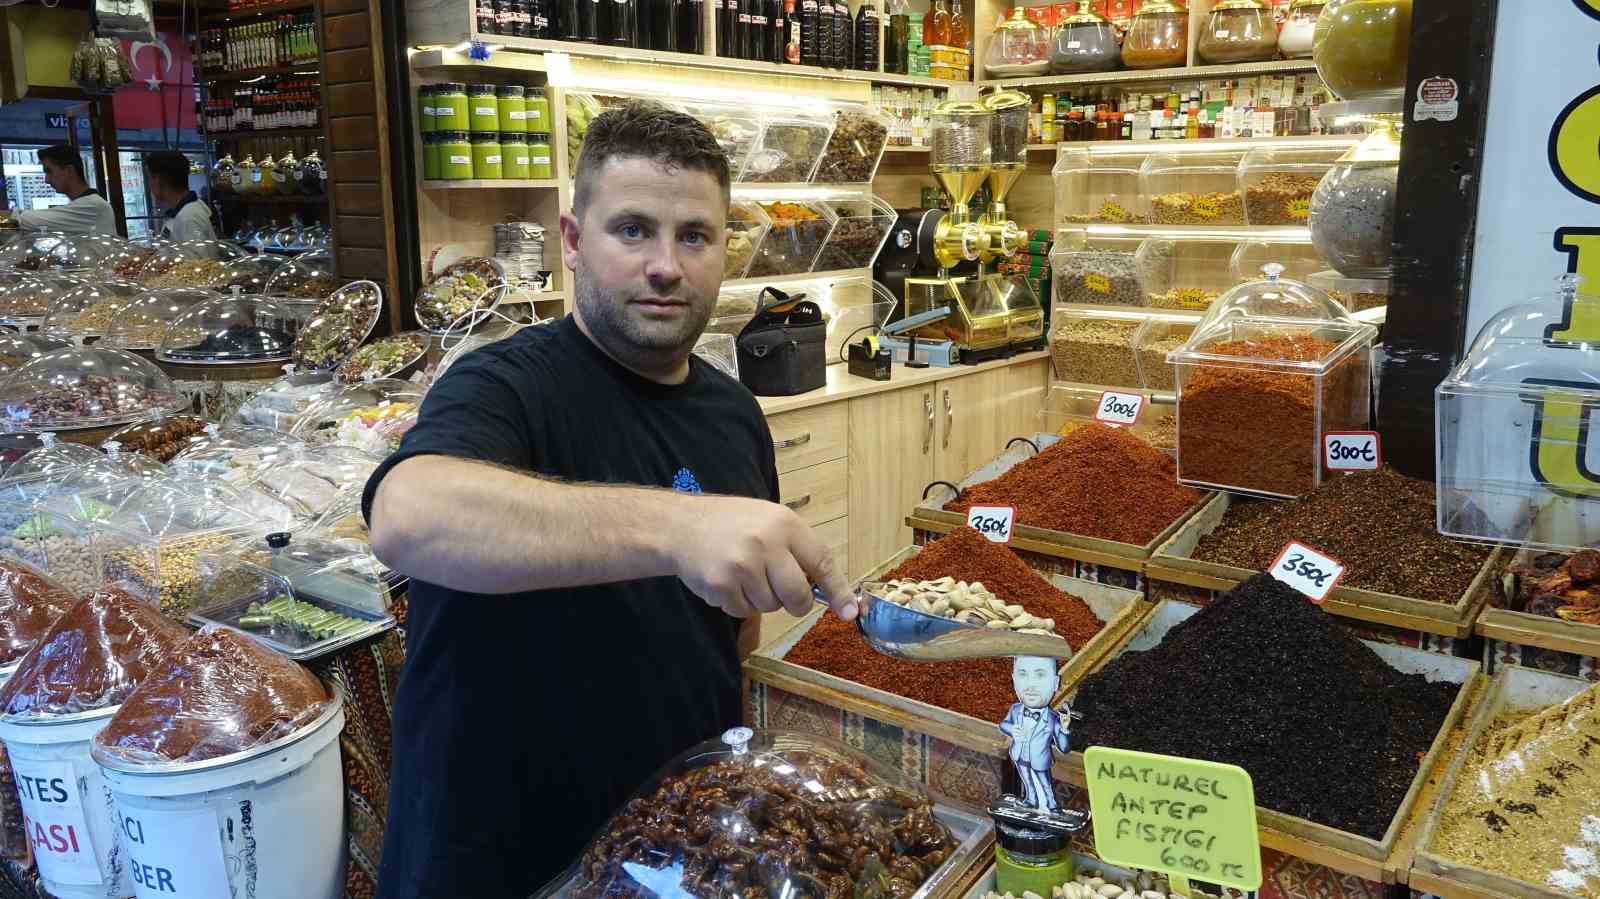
{"points": [[364, 262], [362, 231], [357, 199], [345, 32], [341, 66], [352, 131], [351, 99]]}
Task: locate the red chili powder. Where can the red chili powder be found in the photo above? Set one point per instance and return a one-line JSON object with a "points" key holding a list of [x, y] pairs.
{"points": [[1097, 481], [977, 687]]}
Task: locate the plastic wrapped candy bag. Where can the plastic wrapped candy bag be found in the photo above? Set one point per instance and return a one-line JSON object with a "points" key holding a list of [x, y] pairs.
{"points": [[219, 693], [30, 603], [92, 657]]}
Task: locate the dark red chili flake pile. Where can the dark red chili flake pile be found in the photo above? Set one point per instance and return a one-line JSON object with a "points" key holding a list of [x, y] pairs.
{"points": [[1097, 481], [977, 687], [1263, 679]]}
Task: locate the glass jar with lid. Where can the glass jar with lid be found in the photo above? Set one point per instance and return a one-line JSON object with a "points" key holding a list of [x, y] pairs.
{"points": [[245, 176], [426, 118], [265, 177], [514, 155], [540, 166], [313, 175], [1084, 42], [486, 157], [1297, 36], [1353, 209], [432, 168], [537, 111], [450, 107], [1158, 37], [223, 174], [1019, 46], [512, 107], [455, 155], [1361, 47], [1237, 31], [483, 111], [286, 179]]}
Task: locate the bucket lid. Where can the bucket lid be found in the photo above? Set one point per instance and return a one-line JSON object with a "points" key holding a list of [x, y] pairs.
{"points": [[333, 708]]}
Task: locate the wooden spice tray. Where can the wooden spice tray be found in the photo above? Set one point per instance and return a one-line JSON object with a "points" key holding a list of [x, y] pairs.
{"points": [[1174, 562], [1318, 843], [1527, 629], [929, 515], [1512, 689], [1122, 610]]}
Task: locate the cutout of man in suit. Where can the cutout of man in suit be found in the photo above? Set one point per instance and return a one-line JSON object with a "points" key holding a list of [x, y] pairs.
{"points": [[1035, 730]]}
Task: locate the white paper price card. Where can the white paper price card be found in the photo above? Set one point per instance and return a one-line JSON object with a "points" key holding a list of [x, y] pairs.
{"points": [[993, 522], [1351, 451], [1119, 408], [52, 813], [174, 853], [1303, 568]]}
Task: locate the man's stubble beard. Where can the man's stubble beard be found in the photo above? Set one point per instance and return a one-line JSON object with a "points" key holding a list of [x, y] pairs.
{"points": [[610, 325]]}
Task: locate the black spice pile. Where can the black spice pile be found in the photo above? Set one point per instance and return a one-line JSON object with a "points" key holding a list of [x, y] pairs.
{"points": [[1380, 524], [1265, 680]]}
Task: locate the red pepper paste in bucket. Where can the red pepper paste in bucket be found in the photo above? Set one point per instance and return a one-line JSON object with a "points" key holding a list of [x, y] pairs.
{"points": [[1097, 481], [977, 687], [29, 603], [218, 693]]}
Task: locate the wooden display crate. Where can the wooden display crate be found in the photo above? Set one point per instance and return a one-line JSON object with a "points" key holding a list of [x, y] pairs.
{"points": [[1511, 690], [1535, 641], [1174, 562], [835, 706], [1042, 548], [1320, 844]]}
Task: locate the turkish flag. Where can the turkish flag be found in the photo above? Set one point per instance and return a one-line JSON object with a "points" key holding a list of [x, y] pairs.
{"points": [[162, 93]]}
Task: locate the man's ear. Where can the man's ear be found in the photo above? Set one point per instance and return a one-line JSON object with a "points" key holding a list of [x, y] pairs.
{"points": [[570, 232]]}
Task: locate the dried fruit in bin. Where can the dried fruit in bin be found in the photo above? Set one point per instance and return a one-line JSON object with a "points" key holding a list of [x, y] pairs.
{"points": [[853, 149], [385, 358]]}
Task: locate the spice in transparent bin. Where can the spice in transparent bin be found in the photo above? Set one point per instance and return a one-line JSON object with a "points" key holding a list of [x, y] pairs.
{"points": [[1096, 277], [162, 568]]}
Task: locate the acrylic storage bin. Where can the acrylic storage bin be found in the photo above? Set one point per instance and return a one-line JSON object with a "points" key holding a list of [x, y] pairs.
{"points": [[747, 227], [1291, 249], [790, 149], [799, 230], [857, 235], [1354, 294], [1192, 185], [1278, 181], [1098, 185], [1095, 346], [1097, 267]]}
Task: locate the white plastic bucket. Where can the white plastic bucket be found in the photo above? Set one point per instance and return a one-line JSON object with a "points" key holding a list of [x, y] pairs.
{"points": [[267, 823], [67, 811]]}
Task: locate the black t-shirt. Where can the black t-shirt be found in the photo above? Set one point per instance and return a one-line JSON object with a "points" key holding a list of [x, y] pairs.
{"points": [[523, 721]]}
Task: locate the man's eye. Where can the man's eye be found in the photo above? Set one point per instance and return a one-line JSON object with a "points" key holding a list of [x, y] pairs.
{"points": [[632, 232], [695, 238]]}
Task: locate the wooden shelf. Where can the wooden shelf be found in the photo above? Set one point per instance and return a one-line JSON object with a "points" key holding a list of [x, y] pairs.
{"points": [[306, 68], [776, 280], [271, 9], [259, 135], [1137, 76], [438, 58], [492, 183]]}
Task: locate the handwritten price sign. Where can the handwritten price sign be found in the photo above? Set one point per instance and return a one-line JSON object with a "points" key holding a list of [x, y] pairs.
{"points": [[993, 522], [1308, 571], [1119, 408], [1351, 451]]}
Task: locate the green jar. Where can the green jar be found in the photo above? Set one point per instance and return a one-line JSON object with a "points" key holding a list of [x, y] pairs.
{"points": [[455, 155], [513, 107], [486, 158], [483, 109], [450, 106], [432, 160], [539, 166], [514, 154], [538, 111], [425, 114], [1027, 860]]}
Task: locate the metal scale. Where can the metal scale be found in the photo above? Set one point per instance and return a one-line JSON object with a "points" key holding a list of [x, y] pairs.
{"points": [[990, 316]]}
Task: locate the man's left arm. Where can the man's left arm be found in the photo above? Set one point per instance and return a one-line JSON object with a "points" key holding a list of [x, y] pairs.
{"points": [[1063, 736]]}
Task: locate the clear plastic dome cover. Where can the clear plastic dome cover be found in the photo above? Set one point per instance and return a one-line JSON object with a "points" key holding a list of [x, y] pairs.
{"points": [[721, 820], [190, 263], [17, 350], [395, 356], [83, 251], [1273, 297], [28, 300], [142, 323], [82, 387], [1515, 462], [161, 438], [231, 329], [88, 309], [52, 458], [337, 326], [461, 296], [130, 259], [372, 416], [309, 275], [28, 252], [248, 273]]}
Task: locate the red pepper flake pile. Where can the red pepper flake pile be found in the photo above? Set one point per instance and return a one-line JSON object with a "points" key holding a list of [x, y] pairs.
{"points": [[977, 687], [1097, 481]]}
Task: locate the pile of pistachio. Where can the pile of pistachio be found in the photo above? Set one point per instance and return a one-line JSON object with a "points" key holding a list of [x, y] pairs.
{"points": [[970, 603]]}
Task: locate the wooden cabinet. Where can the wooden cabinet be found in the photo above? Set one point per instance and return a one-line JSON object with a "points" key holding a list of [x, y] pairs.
{"points": [[892, 439], [971, 420]]}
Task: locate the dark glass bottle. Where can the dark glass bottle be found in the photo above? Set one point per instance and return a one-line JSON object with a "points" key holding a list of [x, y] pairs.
{"points": [[843, 50], [739, 19], [719, 13], [824, 33], [896, 59], [810, 20], [644, 24], [617, 22], [686, 15], [867, 35], [777, 30], [791, 46], [522, 16], [755, 41]]}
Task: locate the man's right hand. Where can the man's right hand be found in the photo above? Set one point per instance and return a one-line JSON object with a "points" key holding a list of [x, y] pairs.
{"points": [[747, 556]]}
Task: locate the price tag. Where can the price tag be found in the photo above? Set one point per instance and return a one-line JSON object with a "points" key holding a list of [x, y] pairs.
{"points": [[1300, 210], [1182, 817], [1307, 570], [1351, 451], [1207, 207], [1097, 283], [54, 819], [1119, 408], [993, 522]]}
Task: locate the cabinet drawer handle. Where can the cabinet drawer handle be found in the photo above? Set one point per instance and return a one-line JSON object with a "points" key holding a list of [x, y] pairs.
{"points": [[949, 418], [793, 442], [927, 434], [798, 504]]}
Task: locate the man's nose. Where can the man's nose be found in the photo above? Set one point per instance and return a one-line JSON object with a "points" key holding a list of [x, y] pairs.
{"points": [[662, 264]]}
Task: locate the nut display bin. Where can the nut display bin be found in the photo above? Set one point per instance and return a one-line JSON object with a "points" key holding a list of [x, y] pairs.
{"points": [[151, 544], [28, 252], [858, 235], [1193, 185], [737, 130], [1095, 184], [1354, 294], [789, 150], [799, 230], [1188, 271], [855, 148], [89, 309], [192, 263], [1277, 181], [1255, 396], [27, 301], [1095, 346], [86, 387], [747, 227], [83, 253], [1091, 267], [309, 275], [1068, 407], [1290, 248], [142, 322]]}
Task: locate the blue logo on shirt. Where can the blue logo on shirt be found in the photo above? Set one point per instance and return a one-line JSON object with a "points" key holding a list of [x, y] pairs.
{"points": [[685, 482]]}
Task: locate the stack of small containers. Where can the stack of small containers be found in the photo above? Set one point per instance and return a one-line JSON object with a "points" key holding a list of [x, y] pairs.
{"points": [[1033, 263], [485, 131]]}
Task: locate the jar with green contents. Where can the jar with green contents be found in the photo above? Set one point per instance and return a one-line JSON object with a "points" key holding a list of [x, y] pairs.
{"points": [[538, 111], [483, 108], [1027, 860], [539, 166], [450, 106], [425, 114], [455, 155], [432, 159], [486, 158], [514, 153], [513, 107]]}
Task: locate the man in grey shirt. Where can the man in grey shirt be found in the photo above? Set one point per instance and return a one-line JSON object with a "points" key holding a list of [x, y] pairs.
{"points": [[186, 216], [86, 212]]}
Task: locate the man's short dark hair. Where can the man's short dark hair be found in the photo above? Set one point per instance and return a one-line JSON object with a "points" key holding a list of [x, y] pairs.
{"points": [[646, 130], [169, 167], [64, 156]]}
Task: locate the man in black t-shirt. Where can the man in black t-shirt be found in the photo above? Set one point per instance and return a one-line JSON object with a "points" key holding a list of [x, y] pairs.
{"points": [[587, 511]]}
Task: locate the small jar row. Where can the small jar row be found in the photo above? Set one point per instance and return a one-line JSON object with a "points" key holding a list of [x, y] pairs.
{"points": [[455, 106], [481, 155]]}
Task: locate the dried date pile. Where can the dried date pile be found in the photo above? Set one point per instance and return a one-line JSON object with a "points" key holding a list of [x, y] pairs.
{"points": [[1380, 524], [789, 827], [1265, 680]]}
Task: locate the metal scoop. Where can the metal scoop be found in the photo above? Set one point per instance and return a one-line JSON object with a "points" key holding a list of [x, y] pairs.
{"points": [[906, 633]]}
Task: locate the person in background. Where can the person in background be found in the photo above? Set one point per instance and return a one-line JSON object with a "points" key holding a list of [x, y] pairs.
{"points": [[86, 211], [184, 215]]}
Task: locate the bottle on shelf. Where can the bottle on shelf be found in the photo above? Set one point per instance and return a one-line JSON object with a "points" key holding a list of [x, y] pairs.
{"points": [[540, 16], [777, 31], [868, 32], [960, 33], [936, 26], [791, 45], [843, 45], [755, 41], [824, 33], [486, 17], [686, 17], [810, 24], [895, 59]]}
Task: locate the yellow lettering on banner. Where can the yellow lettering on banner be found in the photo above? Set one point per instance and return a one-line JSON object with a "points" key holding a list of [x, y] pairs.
{"points": [[1561, 422], [1572, 146], [1592, 7]]}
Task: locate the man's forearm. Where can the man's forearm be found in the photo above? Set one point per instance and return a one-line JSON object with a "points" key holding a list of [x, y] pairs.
{"points": [[477, 527]]}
